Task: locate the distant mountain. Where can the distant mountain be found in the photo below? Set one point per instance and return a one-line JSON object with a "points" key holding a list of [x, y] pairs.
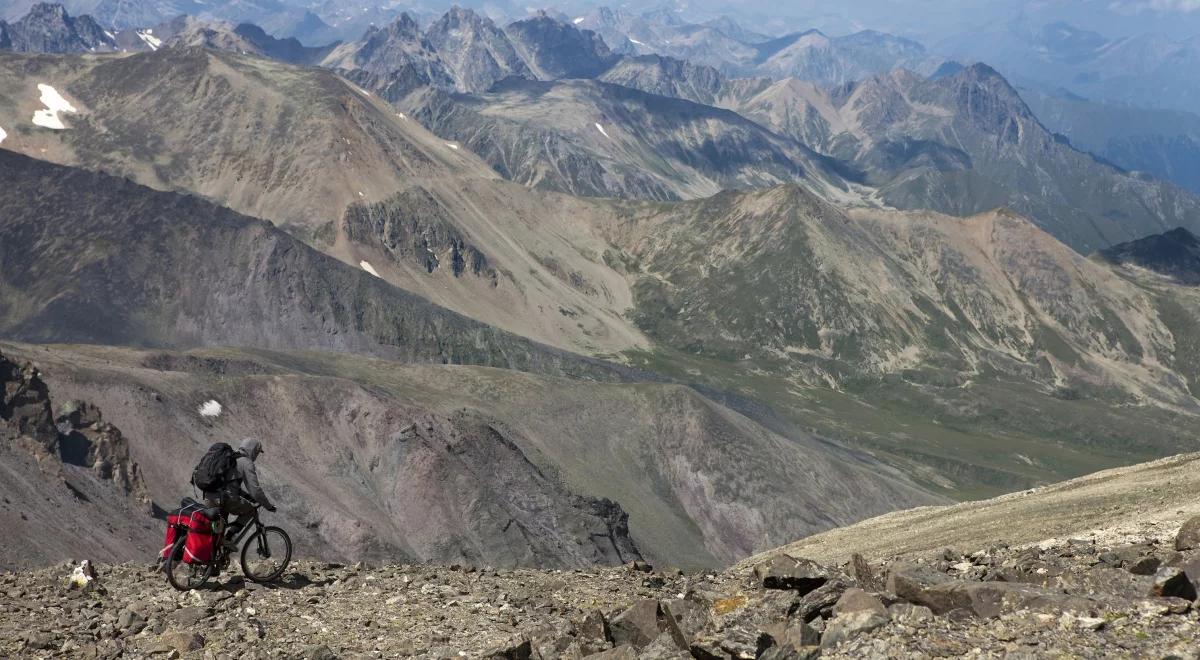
{"points": [[396, 50], [814, 57], [246, 39], [1147, 70], [1163, 143], [48, 28], [1175, 254]]}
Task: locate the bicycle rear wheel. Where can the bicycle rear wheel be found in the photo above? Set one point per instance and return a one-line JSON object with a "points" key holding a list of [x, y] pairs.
{"points": [[183, 576], [266, 554]]}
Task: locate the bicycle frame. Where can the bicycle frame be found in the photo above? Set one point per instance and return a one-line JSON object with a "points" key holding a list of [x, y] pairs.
{"points": [[252, 526]]}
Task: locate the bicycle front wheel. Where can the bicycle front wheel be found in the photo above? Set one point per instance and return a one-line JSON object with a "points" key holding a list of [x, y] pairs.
{"points": [[266, 554], [184, 576]]}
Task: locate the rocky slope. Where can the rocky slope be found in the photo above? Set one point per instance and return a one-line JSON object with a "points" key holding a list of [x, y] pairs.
{"points": [[1086, 596], [597, 139], [246, 39], [261, 145], [378, 459], [477, 51]]}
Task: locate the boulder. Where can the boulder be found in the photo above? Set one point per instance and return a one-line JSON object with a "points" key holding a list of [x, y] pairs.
{"points": [[850, 625], [819, 602], [991, 599], [637, 626], [857, 600], [787, 572], [683, 620], [732, 644], [592, 633], [1147, 565], [861, 571], [1188, 537]]}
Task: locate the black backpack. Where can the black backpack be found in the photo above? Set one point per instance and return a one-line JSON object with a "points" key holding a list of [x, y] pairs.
{"points": [[217, 469]]}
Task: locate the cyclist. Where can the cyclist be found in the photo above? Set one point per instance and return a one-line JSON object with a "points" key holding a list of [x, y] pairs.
{"points": [[239, 496]]}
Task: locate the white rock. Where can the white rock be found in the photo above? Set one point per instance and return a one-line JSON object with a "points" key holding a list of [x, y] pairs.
{"points": [[210, 408]]}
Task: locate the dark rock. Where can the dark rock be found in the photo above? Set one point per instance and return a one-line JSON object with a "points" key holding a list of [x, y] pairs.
{"points": [[637, 625], [592, 632], [819, 602], [1173, 581], [909, 581], [734, 644], [1188, 537], [786, 572], [1144, 566], [177, 640], [515, 649]]}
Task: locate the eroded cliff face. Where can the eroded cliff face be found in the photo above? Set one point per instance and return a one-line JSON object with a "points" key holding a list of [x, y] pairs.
{"points": [[77, 436]]}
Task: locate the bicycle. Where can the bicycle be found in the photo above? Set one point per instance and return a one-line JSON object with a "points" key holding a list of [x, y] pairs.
{"points": [[263, 565]]}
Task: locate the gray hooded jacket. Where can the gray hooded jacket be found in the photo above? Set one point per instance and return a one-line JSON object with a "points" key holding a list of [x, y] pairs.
{"points": [[250, 449]]}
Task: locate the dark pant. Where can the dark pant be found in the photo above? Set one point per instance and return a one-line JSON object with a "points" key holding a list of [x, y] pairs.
{"points": [[232, 504]]}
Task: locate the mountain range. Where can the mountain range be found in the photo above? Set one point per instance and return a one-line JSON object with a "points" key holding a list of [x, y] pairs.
{"points": [[504, 295]]}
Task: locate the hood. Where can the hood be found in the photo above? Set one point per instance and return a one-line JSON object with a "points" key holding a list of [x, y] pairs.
{"points": [[251, 447]]}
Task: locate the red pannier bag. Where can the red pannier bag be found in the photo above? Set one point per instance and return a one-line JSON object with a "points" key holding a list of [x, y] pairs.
{"points": [[201, 541], [176, 525]]}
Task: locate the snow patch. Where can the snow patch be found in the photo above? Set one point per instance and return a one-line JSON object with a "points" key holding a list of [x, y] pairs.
{"points": [[578, 20], [2, 134], [369, 268], [636, 41], [452, 146], [210, 408], [55, 103], [148, 36], [602, 131], [401, 115]]}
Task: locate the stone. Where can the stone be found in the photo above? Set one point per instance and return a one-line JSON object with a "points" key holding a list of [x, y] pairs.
{"points": [[683, 620], [520, 648], [131, 621], [861, 571], [848, 626], [1144, 565], [735, 644], [788, 633], [990, 599], [819, 602], [637, 626], [1188, 537], [592, 632], [857, 600], [188, 617], [787, 572], [907, 581], [791, 653], [664, 648], [179, 641], [1173, 581]]}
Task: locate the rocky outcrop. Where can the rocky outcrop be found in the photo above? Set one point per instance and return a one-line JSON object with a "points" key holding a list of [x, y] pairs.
{"points": [[25, 405], [77, 436], [414, 228]]}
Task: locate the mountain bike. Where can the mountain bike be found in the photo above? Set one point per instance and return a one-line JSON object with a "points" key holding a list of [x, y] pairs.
{"points": [[265, 554]]}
